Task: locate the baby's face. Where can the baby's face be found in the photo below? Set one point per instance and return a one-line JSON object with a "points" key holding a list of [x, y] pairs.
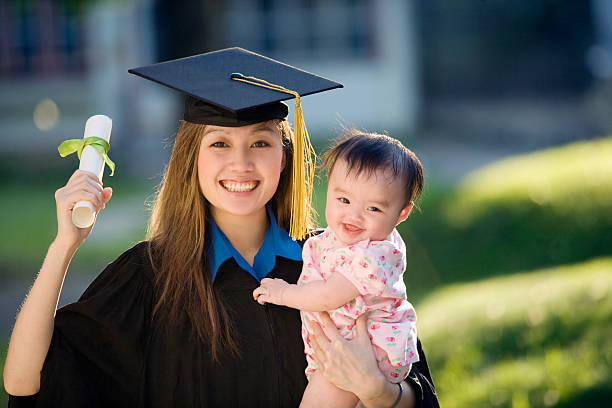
{"points": [[362, 207]]}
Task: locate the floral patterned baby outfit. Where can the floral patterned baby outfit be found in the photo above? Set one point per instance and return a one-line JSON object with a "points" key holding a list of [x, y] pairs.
{"points": [[376, 269]]}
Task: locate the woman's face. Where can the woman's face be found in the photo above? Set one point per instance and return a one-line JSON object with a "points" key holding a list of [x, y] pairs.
{"points": [[239, 167]]}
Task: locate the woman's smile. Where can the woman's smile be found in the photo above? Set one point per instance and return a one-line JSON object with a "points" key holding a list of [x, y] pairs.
{"points": [[239, 186]]}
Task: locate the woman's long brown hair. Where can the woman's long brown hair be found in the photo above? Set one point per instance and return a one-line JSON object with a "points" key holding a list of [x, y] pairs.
{"points": [[178, 242]]}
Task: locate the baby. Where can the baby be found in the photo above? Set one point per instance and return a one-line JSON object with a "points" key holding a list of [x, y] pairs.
{"points": [[356, 264]]}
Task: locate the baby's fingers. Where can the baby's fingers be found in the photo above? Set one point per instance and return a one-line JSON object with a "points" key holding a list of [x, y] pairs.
{"points": [[257, 292], [258, 295]]}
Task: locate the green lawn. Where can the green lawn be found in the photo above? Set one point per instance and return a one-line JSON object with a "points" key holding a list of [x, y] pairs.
{"points": [[536, 339], [29, 225], [546, 208], [3, 394]]}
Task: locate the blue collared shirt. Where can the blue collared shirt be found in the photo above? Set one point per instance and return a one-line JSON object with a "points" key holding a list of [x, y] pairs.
{"points": [[276, 243]]}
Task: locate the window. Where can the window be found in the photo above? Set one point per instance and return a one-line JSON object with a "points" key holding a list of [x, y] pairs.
{"points": [[301, 28]]}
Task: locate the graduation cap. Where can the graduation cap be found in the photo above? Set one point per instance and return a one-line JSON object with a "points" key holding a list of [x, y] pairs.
{"points": [[236, 87], [215, 96]]}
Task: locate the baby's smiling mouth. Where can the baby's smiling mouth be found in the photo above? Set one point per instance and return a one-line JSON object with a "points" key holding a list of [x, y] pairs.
{"points": [[239, 186], [351, 228]]}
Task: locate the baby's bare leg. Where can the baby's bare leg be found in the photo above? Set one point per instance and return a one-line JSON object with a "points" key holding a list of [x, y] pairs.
{"points": [[322, 393]]}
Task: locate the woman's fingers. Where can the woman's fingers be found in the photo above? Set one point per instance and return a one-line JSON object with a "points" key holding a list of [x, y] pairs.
{"points": [[82, 186], [362, 328], [317, 331], [80, 175], [317, 341], [329, 328], [68, 198], [317, 354], [350, 365], [107, 194]]}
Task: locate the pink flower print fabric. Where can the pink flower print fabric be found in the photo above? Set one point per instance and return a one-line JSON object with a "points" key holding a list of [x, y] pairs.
{"points": [[376, 269]]}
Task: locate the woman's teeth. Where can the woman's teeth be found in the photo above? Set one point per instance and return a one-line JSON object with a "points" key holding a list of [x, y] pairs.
{"points": [[238, 187]]}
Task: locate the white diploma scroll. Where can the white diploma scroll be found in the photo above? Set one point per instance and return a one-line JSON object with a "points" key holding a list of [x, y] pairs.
{"points": [[84, 213]]}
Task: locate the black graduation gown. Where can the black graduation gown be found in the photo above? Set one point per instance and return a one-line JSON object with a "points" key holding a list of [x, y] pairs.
{"points": [[105, 350]]}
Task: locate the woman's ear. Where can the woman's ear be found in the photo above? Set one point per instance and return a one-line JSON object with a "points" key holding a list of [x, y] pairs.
{"points": [[405, 212]]}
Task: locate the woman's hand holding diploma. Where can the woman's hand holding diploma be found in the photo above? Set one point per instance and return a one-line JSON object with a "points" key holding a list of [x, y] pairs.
{"points": [[82, 186], [92, 150], [83, 196]]}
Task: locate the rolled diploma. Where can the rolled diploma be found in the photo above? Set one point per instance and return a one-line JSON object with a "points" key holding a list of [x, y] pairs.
{"points": [[84, 213]]}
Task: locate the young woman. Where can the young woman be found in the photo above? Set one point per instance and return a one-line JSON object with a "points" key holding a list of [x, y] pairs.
{"points": [[172, 321]]}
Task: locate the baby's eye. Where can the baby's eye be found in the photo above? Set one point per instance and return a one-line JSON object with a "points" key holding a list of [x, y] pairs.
{"points": [[373, 209], [260, 143], [344, 200], [218, 144]]}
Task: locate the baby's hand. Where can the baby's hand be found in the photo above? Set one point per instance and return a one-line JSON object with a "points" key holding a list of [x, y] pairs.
{"points": [[270, 291]]}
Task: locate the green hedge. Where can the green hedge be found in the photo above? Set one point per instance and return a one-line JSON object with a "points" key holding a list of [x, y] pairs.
{"points": [[528, 340], [546, 208]]}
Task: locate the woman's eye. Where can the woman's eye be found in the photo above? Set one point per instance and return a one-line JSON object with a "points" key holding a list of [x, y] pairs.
{"points": [[344, 200], [261, 143], [218, 144]]}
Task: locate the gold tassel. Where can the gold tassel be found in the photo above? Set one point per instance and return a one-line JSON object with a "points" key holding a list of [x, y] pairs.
{"points": [[303, 162]]}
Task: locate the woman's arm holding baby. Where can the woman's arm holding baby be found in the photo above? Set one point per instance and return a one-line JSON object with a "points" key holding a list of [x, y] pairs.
{"points": [[351, 366], [314, 296]]}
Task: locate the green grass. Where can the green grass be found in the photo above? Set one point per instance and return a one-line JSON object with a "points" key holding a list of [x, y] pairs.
{"points": [[29, 225], [3, 350], [572, 181], [533, 339], [547, 208]]}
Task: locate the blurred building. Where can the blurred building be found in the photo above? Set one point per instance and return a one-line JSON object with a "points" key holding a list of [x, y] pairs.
{"points": [[64, 61], [509, 75], [525, 73]]}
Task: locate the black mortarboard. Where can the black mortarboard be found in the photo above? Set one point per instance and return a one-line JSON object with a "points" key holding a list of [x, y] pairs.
{"points": [[215, 97]]}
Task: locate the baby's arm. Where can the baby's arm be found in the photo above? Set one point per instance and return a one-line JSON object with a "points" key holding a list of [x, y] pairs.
{"points": [[315, 296]]}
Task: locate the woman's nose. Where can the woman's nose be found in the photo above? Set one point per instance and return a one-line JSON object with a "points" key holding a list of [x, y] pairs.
{"points": [[242, 159]]}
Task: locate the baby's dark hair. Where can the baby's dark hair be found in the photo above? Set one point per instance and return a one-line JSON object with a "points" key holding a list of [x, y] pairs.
{"points": [[370, 152]]}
